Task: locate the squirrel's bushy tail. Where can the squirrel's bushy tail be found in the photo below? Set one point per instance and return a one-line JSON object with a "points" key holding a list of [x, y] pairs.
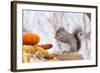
{"points": [[75, 33]]}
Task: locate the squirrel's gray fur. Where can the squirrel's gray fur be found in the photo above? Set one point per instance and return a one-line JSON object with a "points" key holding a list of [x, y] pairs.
{"points": [[72, 39]]}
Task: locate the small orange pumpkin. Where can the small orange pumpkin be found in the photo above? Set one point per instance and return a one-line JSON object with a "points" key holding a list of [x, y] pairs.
{"points": [[30, 38]]}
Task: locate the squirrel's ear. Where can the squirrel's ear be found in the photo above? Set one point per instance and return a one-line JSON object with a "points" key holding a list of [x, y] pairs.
{"points": [[61, 28]]}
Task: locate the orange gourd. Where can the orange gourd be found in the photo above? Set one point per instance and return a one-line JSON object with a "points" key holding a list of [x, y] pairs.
{"points": [[30, 38]]}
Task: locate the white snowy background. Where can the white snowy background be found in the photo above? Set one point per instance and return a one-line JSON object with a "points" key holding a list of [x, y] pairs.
{"points": [[46, 23]]}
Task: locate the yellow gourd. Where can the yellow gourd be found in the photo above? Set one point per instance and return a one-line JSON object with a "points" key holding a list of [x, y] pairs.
{"points": [[27, 51], [25, 57]]}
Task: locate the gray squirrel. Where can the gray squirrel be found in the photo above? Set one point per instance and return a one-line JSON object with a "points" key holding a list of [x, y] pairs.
{"points": [[72, 39]]}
